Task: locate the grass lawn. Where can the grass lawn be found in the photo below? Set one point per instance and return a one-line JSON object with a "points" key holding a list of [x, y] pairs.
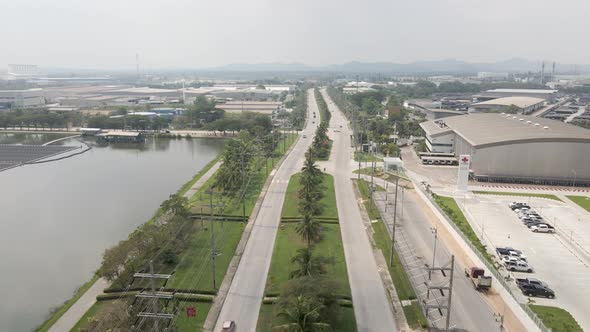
{"points": [[504, 193], [286, 245], [452, 210], [366, 156], [583, 201], [83, 322], [267, 319], [402, 284], [62, 310], [194, 269], [186, 324], [291, 205], [557, 319]]}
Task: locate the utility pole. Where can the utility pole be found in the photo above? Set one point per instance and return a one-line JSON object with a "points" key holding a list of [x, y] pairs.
{"points": [[442, 288], [394, 223], [450, 293], [153, 296], [435, 232]]}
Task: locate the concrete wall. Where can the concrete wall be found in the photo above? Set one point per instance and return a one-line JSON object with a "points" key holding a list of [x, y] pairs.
{"points": [[547, 160], [443, 143]]}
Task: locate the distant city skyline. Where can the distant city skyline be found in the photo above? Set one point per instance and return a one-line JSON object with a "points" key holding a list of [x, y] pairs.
{"points": [[192, 34]]}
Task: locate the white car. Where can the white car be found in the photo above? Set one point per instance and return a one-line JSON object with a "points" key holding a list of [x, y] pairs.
{"points": [[543, 228], [518, 266], [516, 255]]}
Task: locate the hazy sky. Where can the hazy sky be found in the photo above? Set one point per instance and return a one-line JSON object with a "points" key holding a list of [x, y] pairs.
{"points": [[197, 33]]}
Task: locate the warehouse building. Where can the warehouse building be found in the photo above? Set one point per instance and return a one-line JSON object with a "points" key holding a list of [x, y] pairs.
{"points": [[21, 98], [524, 105], [514, 148], [546, 94]]}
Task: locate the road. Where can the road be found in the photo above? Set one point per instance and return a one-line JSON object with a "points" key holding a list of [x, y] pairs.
{"points": [[469, 310], [244, 298], [371, 306]]}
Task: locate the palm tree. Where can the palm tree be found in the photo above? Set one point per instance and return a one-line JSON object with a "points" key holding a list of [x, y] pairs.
{"points": [[307, 264], [309, 229], [309, 167], [303, 315]]}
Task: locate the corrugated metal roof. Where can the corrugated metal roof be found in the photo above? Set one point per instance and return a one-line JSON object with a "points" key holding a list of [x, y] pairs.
{"points": [[493, 129], [521, 102]]}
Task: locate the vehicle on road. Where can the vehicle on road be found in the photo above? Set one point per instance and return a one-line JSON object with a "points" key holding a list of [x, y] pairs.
{"points": [[228, 326], [517, 266], [304, 136], [542, 228], [480, 281], [536, 290]]}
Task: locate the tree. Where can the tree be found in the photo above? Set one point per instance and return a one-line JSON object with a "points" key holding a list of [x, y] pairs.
{"points": [[177, 205], [303, 314], [309, 229], [308, 265]]}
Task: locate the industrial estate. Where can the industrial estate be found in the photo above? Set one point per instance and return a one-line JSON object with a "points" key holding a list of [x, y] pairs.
{"points": [[327, 200]]}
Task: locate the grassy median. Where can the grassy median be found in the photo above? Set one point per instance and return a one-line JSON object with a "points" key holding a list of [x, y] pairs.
{"points": [[288, 242]]}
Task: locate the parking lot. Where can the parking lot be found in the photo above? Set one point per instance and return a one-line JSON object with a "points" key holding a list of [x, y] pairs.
{"points": [[562, 260]]}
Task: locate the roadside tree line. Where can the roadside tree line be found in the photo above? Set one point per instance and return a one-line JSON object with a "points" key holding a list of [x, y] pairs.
{"points": [[321, 143]]}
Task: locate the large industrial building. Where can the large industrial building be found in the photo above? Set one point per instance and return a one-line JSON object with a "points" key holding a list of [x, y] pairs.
{"points": [[546, 94], [525, 105], [514, 148]]}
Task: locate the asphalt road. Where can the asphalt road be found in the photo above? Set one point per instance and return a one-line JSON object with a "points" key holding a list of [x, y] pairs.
{"points": [[371, 306], [244, 298], [469, 310]]}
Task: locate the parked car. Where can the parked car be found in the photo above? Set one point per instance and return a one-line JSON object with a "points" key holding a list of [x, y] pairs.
{"points": [[517, 266], [536, 290], [532, 223], [532, 281], [516, 255], [228, 326], [503, 251], [542, 228], [517, 205]]}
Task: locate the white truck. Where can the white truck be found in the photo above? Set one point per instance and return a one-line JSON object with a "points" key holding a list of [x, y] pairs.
{"points": [[518, 266], [543, 228]]}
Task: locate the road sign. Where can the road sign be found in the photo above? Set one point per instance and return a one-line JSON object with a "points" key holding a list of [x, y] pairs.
{"points": [[191, 312]]}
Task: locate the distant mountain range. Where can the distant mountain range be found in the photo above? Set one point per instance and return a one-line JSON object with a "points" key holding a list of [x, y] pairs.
{"points": [[441, 66]]}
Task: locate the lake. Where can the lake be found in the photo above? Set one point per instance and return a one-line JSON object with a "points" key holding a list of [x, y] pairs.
{"points": [[57, 218]]}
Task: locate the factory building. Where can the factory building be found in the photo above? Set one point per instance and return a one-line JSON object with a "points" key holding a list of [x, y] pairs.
{"points": [[514, 148], [546, 94], [525, 105]]}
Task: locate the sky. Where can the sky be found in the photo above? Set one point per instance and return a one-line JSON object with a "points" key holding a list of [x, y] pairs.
{"points": [[107, 34]]}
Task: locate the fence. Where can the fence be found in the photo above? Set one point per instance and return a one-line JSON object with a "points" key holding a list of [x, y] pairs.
{"points": [[490, 267]]}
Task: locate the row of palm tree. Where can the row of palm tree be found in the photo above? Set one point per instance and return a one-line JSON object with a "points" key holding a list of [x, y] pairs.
{"points": [[303, 307]]}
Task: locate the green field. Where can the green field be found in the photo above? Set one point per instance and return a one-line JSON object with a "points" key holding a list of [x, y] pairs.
{"points": [[402, 284], [194, 270], [557, 319], [506, 193], [583, 201], [328, 202], [452, 210]]}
